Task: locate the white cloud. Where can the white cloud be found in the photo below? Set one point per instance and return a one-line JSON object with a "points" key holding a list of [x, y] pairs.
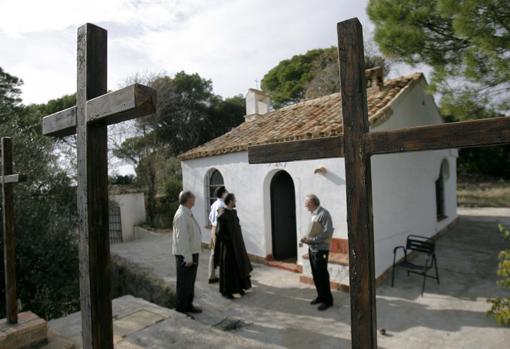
{"points": [[233, 42], [50, 15]]}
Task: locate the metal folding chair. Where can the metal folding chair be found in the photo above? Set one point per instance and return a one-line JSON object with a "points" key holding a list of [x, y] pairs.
{"points": [[417, 244]]}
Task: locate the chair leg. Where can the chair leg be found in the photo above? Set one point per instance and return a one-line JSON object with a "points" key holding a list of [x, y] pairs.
{"points": [[437, 272], [393, 269], [423, 284]]}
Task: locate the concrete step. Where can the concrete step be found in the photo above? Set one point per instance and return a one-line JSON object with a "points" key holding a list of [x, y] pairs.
{"points": [[30, 330], [56, 341]]}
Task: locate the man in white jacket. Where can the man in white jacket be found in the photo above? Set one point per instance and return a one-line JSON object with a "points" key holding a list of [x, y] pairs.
{"points": [[216, 209], [186, 246]]}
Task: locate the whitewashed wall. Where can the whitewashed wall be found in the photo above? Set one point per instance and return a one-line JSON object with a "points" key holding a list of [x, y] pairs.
{"points": [[403, 187], [404, 199], [251, 184], [132, 212]]}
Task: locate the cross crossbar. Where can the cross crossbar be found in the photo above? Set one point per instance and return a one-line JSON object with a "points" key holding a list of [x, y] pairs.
{"points": [[464, 134], [319, 148], [13, 178], [475, 133], [357, 145], [127, 103]]}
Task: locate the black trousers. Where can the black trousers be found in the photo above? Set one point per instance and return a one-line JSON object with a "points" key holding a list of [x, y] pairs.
{"points": [[186, 277], [319, 264]]}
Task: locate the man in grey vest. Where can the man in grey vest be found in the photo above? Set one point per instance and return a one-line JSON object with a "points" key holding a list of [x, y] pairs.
{"points": [[319, 250]]}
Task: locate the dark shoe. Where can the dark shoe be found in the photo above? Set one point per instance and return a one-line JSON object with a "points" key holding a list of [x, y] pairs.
{"points": [[194, 310], [228, 296], [324, 306], [315, 301], [185, 313], [213, 281], [242, 293]]}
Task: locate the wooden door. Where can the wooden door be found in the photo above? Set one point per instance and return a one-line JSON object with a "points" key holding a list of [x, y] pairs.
{"points": [[283, 217]]}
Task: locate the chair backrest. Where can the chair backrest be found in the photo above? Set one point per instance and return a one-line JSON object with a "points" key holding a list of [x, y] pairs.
{"points": [[420, 244]]}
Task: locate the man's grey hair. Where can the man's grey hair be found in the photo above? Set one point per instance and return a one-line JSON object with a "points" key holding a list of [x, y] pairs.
{"points": [[184, 196], [314, 198]]}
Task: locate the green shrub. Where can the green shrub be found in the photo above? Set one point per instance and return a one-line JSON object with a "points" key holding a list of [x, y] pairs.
{"points": [[167, 203], [46, 248], [500, 309], [44, 207], [121, 180], [171, 189]]}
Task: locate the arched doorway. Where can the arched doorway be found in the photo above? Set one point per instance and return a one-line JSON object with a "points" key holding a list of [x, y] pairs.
{"points": [[444, 173], [283, 217]]}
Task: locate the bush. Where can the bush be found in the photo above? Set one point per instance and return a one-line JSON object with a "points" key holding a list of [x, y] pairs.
{"points": [[167, 204], [44, 207], [490, 161], [171, 189], [121, 180], [500, 309], [46, 249]]}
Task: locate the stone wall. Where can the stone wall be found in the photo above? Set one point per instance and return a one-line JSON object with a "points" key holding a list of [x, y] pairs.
{"points": [[130, 279]]}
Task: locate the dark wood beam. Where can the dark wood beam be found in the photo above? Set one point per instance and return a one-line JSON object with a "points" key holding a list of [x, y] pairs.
{"points": [[358, 184], [331, 147], [94, 245], [8, 230], [14, 178], [127, 103], [476, 133], [60, 124]]}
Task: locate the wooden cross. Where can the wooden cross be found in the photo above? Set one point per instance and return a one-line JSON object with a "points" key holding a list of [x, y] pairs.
{"points": [[8, 179], [357, 145], [95, 110]]}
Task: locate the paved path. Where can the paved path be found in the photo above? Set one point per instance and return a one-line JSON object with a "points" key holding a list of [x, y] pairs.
{"points": [[138, 324], [449, 315]]}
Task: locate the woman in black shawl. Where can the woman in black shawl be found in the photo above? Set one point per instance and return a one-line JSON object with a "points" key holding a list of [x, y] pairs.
{"points": [[231, 255]]}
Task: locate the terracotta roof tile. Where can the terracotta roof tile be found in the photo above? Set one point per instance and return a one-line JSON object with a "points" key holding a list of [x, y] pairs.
{"points": [[315, 118]]}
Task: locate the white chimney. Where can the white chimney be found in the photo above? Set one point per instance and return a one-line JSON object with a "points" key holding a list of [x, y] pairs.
{"points": [[257, 103]]}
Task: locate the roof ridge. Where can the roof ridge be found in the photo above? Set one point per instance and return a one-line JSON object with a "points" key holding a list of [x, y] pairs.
{"points": [[311, 118]]}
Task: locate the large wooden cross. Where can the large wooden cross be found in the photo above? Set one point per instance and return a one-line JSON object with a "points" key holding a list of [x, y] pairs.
{"points": [[357, 145], [8, 179], [95, 110]]}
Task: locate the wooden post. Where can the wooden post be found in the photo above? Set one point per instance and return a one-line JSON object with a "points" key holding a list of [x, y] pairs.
{"points": [[9, 239], [358, 146], [94, 110], [95, 264], [358, 183]]}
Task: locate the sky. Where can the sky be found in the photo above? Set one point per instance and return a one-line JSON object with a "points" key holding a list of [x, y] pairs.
{"points": [[232, 42]]}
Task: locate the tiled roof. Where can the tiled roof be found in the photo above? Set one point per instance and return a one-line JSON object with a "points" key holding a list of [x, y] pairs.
{"points": [[315, 118]]}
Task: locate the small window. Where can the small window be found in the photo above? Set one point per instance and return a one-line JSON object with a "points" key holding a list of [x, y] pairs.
{"points": [[214, 181]]}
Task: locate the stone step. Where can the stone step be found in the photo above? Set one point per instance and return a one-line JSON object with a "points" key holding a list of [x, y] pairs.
{"points": [[30, 330], [56, 341]]}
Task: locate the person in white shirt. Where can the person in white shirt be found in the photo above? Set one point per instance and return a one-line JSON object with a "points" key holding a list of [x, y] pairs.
{"points": [[216, 209], [186, 246]]}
